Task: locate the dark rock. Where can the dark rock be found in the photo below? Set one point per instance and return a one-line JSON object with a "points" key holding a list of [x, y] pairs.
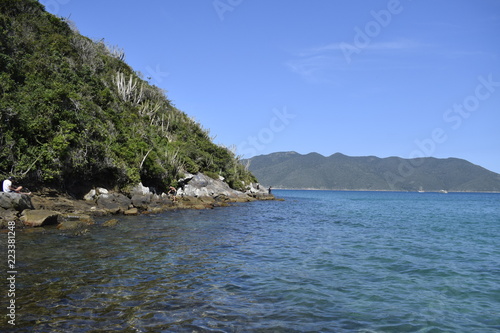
{"points": [[113, 202], [141, 201], [15, 201]]}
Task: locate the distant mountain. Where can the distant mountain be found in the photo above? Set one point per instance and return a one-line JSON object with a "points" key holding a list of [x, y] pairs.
{"points": [[340, 172]]}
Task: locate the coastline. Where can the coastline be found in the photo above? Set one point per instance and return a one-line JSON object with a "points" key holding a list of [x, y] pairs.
{"points": [[52, 208]]}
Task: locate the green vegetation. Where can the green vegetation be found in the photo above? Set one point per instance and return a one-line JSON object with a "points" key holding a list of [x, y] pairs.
{"points": [[340, 172], [75, 115]]}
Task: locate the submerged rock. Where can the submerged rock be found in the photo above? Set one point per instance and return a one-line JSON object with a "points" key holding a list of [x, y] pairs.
{"points": [[110, 223], [71, 225]]}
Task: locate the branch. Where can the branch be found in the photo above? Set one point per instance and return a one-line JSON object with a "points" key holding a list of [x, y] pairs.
{"points": [[144, 159], [31, 166]]}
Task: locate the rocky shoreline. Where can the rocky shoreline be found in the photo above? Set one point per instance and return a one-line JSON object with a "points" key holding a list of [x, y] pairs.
{"points": [[50, 208]]}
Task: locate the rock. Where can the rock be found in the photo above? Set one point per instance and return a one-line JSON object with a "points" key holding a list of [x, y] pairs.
{"points": [[101, 190], [71, 225], [84, 218], [38, 218], [255, 190], [141, 201], [15, 201], [6, 216], [131, 211], [58, 203], [200, 185], [140, 189], [92, 195], [113, 203], [207, 200], [110, 223], [159, 202]]}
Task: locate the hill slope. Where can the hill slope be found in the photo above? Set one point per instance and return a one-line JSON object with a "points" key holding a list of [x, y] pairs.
{"points": [[74, 114], [341, 172]]}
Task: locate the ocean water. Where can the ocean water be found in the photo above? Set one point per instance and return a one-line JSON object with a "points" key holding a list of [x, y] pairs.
{"points": [[320, 261]]}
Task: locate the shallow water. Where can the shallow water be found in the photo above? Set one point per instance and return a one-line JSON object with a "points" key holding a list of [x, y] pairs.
{"points": [[321, 261]]}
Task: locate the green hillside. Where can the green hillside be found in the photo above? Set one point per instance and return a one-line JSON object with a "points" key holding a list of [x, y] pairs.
{"points": [[341, 172], [75, 115]]}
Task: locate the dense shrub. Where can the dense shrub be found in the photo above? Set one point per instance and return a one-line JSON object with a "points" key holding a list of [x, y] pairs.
{"points": [[74, 114]]}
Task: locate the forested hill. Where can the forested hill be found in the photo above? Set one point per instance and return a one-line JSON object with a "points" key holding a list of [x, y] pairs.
{"points": [[74, 114], [341, 172]]}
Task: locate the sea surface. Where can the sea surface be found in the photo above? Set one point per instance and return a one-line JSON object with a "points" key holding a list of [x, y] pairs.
{"points": [[320, 261]]}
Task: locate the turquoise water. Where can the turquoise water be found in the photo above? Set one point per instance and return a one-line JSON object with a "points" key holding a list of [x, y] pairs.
{"points": [[321, 261]]}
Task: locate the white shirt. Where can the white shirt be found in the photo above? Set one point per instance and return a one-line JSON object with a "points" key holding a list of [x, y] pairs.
{"points": [[6, 185]]}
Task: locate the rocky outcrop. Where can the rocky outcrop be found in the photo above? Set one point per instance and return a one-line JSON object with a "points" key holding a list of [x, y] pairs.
{"points": [[195, 192], [200, 185], [15, 201], [255, 190]]}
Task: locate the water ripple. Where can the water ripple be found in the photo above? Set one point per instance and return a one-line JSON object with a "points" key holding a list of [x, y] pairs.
{"points": [[318, 262]]}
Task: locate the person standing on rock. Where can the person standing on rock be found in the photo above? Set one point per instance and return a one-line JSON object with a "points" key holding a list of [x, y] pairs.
{"points": [[172, 192]]}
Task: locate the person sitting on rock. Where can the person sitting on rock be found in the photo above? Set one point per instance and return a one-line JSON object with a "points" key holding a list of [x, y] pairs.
{"points": [[172, 192], [9, 187]]}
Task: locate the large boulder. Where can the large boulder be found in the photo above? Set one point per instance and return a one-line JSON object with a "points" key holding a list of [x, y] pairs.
{"points": [[15, 201], [113, 202], [141, 201], [200, 185], [39, 218]]}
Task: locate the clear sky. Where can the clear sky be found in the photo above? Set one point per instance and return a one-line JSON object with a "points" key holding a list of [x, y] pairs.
{"points": [[405, 78]]}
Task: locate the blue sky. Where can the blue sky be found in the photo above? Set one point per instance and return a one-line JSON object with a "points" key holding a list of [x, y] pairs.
{"points": [[406, 78]]}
